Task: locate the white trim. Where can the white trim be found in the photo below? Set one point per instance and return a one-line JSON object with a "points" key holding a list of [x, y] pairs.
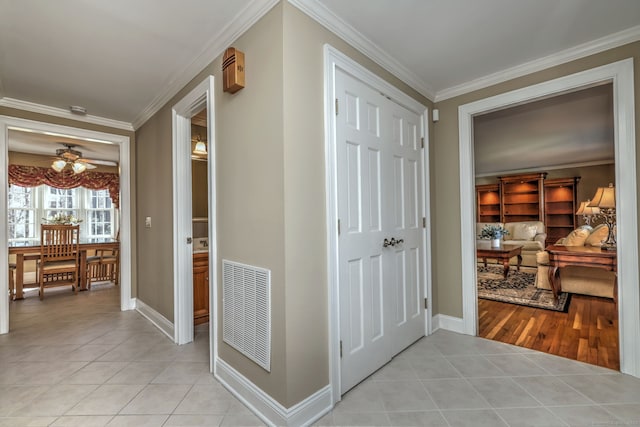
{"points": [[621, 74], [426, 181], [592, 47], [123, 142], [198, 98], [265, 407], [448, 323], [334, 59], [65, 114], [325, 17], [156, 318], [213, 48]]}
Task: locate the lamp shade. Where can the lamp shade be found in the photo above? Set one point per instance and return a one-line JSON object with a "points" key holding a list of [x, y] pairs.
{"points": [[78, 167], [58, 165], [605, 198], [587, 210], [201, 148]]}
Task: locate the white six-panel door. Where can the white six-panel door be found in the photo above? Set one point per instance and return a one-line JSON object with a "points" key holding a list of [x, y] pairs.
{"points": [[379, 197]]}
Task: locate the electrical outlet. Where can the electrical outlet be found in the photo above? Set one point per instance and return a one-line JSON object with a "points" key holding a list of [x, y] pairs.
{"points": [[147, 222]]}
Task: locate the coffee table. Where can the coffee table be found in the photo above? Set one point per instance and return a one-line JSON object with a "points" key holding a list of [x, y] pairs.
{"points": [[502, 253]]}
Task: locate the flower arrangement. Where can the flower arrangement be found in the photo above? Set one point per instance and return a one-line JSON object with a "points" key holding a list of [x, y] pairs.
{"points": [[62, 219], [492, 231]]}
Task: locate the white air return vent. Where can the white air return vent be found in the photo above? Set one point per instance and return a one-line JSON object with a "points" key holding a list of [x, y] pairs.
{"points": [[246, 311]]}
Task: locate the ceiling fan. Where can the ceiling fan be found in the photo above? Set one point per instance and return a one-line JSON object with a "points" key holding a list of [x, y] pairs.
{"points": [[69, 156]]}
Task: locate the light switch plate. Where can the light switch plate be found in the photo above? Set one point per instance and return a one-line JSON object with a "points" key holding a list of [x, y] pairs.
{"points": [[147, 222]]}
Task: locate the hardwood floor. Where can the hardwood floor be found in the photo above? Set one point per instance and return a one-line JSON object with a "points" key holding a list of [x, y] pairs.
{"points": [[588, 332]]}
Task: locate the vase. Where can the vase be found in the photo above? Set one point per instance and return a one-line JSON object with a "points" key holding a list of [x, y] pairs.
{"points": [[495, 243]]}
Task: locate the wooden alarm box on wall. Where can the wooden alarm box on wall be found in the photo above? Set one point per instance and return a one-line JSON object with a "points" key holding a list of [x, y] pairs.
{"points": [[232, 70]]}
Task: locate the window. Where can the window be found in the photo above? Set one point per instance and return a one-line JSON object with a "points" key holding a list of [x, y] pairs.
{"points": [[22, 214], [99, 213], [28, 207], [58, 201]]}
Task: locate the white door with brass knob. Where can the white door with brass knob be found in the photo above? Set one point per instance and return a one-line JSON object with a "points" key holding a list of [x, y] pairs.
{"points": [[380, 208]]}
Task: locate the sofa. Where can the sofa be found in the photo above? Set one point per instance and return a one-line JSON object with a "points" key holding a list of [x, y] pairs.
{"points": [[579, 280], [531, 235]]}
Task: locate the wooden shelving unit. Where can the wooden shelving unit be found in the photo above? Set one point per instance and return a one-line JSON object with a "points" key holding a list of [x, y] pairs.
{"points": [[522, 197], [488, 203], [560, 205]]}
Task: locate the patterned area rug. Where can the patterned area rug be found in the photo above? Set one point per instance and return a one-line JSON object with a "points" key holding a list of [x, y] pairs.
{"points": [[518, 288]]}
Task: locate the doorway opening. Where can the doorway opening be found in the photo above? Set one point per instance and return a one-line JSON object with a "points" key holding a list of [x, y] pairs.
{"points": [[186, 113], [621, 75], [535, 164], [40, 130]]}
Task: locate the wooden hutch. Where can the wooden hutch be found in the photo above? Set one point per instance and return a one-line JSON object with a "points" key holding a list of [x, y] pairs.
{"points": [[530, 197]]}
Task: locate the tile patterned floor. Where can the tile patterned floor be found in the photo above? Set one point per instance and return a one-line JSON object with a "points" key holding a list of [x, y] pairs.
{"points": [[79, 361]]}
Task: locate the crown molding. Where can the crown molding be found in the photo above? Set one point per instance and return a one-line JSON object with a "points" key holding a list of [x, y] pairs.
{"points": [[547, 168], [212, 49], [338, 26], [65, 114], [611, 41]]}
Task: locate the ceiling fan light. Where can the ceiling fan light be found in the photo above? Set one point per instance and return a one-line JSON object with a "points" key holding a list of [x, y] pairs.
{"points": [[58, 165], [201, 148], [78, 167]]}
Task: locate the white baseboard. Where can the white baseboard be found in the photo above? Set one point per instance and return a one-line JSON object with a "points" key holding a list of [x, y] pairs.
{"points": [[266, 408], [448, 323], [129, 305], [156, 318]]}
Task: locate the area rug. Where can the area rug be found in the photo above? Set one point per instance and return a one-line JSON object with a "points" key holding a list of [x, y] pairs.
{"points": [[518, 288]]}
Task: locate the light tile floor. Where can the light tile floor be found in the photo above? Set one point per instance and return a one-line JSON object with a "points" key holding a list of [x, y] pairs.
{"points": [[79, 361]]}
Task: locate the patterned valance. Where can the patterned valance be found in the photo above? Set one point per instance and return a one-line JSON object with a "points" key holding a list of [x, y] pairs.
{"points": [[33, 176]]}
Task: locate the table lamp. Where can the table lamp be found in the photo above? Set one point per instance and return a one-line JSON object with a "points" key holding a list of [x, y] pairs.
{"points": [[605, 201], [587, 211]]}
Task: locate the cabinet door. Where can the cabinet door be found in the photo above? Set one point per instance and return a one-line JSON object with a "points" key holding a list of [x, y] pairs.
{"points": [[200, 291]]}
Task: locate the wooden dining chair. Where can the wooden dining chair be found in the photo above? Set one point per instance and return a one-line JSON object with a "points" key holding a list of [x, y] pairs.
{"points": [[104, 265], [12, 283], [59, 256]]}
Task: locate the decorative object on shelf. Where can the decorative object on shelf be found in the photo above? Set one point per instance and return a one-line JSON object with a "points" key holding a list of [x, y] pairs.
{"points": [[62, 219], [232, 70], [587, 211], [201, 146], [605, 201], [494, 233]]}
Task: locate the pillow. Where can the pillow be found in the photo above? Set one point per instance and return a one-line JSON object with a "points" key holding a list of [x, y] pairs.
{"points": [[524, 232], [597, 236], [577, 237]]}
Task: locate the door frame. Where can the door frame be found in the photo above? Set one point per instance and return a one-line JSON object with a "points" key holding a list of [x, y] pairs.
{"points": [[333, 60], [620, 73], [123, 142], [198, 98]]}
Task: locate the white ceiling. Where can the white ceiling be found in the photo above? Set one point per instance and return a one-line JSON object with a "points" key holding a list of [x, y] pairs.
{"points": [[46, 145], [563, 131], [123, 60]]}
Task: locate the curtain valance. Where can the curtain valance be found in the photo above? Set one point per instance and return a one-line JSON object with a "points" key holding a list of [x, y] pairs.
{"points": [[33, 176]]}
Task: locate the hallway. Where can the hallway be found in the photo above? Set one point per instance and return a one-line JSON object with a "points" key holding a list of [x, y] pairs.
{"points": [[79, 361]]}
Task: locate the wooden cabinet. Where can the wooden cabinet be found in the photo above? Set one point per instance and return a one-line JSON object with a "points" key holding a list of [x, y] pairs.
{"points": [[200, 288], [522, 197], [488, 203], [560, 205]]}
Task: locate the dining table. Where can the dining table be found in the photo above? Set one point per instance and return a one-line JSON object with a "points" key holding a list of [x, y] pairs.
{"points": [[27, 251]]}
